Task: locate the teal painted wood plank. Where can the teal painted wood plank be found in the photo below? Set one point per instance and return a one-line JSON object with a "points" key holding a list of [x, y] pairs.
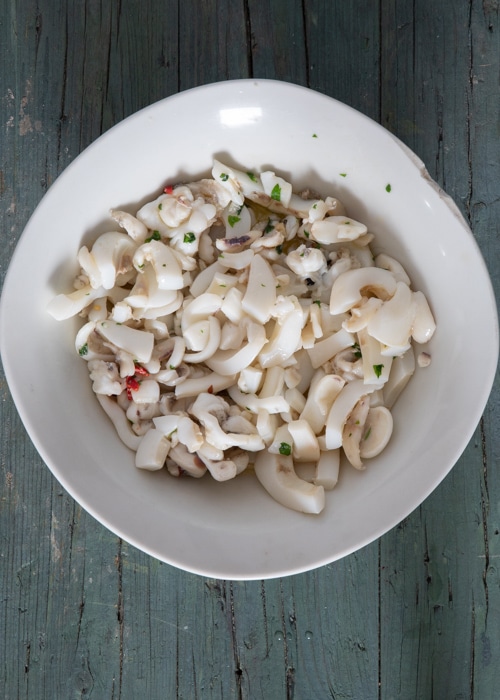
{"points": [[211, 42], [343, 41], [277, 40]]}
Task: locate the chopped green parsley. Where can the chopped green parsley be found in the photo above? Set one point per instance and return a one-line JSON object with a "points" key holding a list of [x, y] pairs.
{"points": [[224, 177], [155, 236], [388, 188], [232, 220], [276, 193], [252, 177], [189, 237], [378, 370], [84, 350], [285, 449]]}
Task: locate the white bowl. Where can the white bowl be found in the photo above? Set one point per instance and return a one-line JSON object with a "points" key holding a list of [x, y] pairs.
{"points": [[234, 530]]}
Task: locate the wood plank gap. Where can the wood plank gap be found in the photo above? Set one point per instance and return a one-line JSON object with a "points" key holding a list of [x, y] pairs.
{"points": [[485, 502], [380, 68], [64, 83], [379, 625], [264, 614], [469, 118], [237, 667], [289, 670], [177, 651], [472, 650], [179, 34], [120, 612], [306, 43], [249, 37]]}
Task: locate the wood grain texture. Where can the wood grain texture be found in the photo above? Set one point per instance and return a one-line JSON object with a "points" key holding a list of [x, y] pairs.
{"points": [[412, 616]]}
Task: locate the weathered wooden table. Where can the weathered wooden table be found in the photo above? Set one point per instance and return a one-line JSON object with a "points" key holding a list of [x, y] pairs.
{"points": [[414, 615]]}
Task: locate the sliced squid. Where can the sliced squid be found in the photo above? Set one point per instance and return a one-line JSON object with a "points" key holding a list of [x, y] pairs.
{"points": [[277, 475], [377, 432], [152, 451], [348, 288], [402, 369], [341, 408], [232, 322]]}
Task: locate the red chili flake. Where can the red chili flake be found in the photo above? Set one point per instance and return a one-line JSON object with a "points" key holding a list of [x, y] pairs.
{"points": [[131, 385], [210, 389], [168, 189], [142, 371]]}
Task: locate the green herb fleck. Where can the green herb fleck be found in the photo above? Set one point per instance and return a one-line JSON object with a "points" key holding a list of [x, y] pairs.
{"points": [[357, 351], [252, 177], [262, 284], [189, 237], [141, 267], [160, 206], [276, 193], [378, 370], [388, 188], [224, 177], [315, 136], [343, 174], [318, 302], [84, 350], [232, 220], [285, 449], [269, 227], [367, 434], [315, 206], [171, 366], [279, 249], [306, 234], [155, 236], [347, 223]]}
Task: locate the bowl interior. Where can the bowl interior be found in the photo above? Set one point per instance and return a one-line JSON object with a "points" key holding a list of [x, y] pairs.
{"points": [[235, 530]]}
